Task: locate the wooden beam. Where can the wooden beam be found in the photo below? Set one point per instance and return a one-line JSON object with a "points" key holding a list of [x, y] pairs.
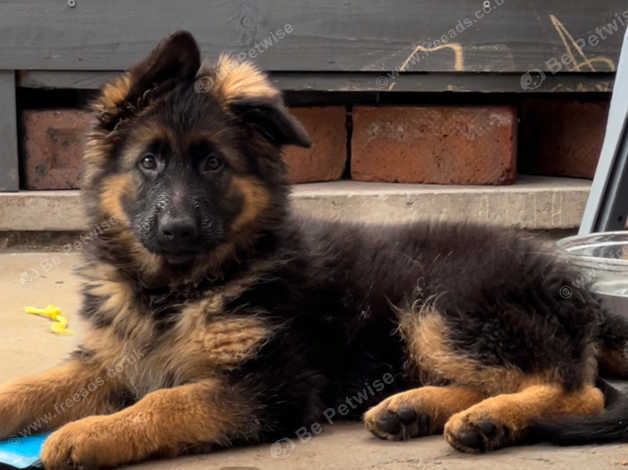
{"points": [[367, 81], [322, 35], [9, 174]]}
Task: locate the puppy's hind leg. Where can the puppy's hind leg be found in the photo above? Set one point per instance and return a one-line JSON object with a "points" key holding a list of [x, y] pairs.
{"points": [[419, 412], [425, 410], [505, 419]]}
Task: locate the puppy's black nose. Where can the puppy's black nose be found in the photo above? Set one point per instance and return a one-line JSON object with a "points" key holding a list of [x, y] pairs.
{"points": [[174, 230]]}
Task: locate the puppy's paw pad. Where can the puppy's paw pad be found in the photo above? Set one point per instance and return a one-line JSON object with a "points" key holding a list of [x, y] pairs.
{"points": [[396, 424], [473, 436]]}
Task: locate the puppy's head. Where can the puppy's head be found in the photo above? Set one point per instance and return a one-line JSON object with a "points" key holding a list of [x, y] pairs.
{"points": [[186, 160]]}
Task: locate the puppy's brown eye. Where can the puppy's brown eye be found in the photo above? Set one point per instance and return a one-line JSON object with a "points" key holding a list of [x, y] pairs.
{"points": [[148, 162], [212, 163]]}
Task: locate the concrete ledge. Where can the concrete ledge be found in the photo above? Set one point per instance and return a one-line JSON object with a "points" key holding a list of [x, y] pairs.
{"points": [[534, 203], [42, 211]]}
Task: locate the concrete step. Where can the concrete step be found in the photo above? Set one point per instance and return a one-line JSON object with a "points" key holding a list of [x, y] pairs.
{"points": [[533, 203]]}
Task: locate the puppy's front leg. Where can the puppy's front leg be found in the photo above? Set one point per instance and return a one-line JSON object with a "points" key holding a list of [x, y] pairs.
{"points": [[43, 402], [166, 423]]}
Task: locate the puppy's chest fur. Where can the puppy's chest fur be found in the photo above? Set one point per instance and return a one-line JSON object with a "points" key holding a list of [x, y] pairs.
{"points": [[201, 338]]}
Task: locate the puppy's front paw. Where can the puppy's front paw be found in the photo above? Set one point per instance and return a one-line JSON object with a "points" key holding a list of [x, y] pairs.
{"points": [[14, 417], [89, 443]]}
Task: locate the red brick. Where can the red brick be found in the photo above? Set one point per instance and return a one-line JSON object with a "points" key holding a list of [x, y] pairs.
{"points": [[561, 137], [326, 159], [53, 147], [434, 144]]}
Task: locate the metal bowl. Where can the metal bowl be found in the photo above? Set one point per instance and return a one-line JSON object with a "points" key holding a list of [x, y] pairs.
{"points": [[603, 257]]}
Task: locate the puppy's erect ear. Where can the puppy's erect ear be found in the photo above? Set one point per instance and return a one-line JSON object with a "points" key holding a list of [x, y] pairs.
{"points": [[246, 92], [176, 58], [272, 120]]}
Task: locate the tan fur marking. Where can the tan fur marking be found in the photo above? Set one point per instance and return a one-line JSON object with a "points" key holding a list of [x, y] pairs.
{"points": [[97, 151], [515, 411], [202, 343], [162, 424], [149, 264], [30, 405], [192, 350], [233, 79], [113, 188], [255, 200], [439, 403], [116, 294], [97, 145], [113, 94], [428, 346]]}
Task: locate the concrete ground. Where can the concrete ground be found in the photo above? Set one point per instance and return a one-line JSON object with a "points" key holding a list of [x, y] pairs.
{"points": [[27, 346]]}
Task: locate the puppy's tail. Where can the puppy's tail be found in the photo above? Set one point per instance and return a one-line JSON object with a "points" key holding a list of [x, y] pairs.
{"points": [[612, 424], [609, 426]]}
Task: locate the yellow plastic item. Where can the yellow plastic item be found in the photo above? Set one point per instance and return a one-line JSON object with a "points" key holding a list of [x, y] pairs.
{"points": [[59, 327]]}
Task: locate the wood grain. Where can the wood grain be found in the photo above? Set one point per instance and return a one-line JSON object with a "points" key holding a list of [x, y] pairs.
{"points": [[326, 35]]}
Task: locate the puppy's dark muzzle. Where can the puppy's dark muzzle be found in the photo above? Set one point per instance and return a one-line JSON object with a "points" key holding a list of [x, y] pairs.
{"points": [[178, 237]]}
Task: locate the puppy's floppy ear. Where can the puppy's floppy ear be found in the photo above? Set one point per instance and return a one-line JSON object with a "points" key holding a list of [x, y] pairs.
{"points": [[271, 119], [176, 58], [246, 92]]}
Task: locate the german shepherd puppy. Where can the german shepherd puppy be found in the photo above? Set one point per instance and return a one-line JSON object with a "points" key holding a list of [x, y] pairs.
{"points": [[218, 317]]}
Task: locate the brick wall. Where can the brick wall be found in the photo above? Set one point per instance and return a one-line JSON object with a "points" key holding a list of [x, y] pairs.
{"points": [[468, 144], [434, 144]]}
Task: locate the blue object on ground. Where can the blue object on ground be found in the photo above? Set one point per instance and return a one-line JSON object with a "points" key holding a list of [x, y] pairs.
{"points": [[21, 452]]}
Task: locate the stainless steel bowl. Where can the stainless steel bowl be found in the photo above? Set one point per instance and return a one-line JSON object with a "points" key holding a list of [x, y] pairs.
{"points": [[604, 258]]}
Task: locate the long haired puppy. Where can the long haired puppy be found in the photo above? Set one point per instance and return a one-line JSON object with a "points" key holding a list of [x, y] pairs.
{"points": [[218, 317]]}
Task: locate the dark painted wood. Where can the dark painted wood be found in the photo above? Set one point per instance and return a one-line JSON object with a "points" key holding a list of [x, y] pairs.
{"points": [[9, 175], [325, 35], [86, 80], [368, 81]]}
